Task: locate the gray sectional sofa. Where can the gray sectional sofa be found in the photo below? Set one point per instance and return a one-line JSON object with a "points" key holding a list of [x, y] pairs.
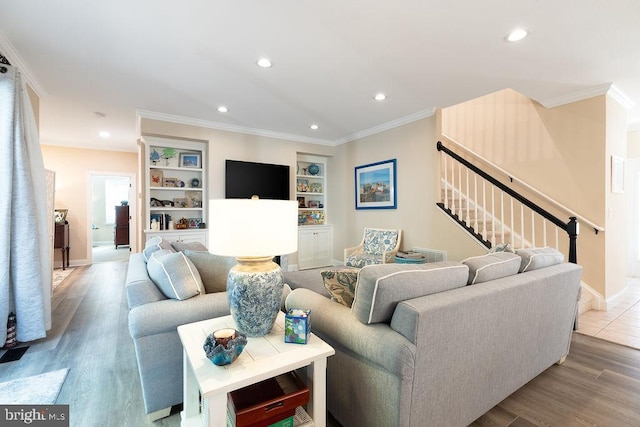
{"points": [[440, 344], [154, 317]]}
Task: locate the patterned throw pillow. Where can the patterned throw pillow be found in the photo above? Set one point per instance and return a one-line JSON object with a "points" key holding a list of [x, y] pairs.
{"points": [[341, 284]]}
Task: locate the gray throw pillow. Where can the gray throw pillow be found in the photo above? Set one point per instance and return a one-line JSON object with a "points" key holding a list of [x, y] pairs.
{"points": [[155, 244], [174, 274], [191, 246], [213, 269], [535, 258], [381, 287], [492, 266]]}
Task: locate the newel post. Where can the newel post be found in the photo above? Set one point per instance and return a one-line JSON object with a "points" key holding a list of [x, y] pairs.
{"points": [[573, 229]]}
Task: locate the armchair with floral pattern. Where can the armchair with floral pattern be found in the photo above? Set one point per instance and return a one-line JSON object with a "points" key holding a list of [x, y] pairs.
{"points": [[378, 246]]}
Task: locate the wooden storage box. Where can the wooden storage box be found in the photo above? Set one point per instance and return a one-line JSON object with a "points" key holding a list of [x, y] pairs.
{"points": [[267, 402]]}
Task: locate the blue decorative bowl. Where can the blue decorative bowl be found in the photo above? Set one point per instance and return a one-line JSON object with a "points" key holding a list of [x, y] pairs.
{"points": [[221, 355], [313, 169]]}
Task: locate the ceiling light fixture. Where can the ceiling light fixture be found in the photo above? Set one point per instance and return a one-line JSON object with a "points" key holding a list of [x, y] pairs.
{"points": [[222, 109], [100, 115], [517, 35], [264, 63], [104, 134], [380, 97], [314, 127]]}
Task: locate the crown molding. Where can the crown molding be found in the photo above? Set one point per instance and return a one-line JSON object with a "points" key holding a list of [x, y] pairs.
{"points": [[9, 52], [603, 89], [388, 125], [172, 118]]}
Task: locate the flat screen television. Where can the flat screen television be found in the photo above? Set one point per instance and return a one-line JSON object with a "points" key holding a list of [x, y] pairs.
{"points": [[245, 179]]}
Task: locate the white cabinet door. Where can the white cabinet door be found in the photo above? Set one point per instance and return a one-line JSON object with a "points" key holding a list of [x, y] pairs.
{"points": [[180, 236], [314, 247]]}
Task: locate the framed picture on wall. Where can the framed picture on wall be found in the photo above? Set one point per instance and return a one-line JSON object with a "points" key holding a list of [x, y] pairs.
{"points": [[190, 160], [376, 185]]}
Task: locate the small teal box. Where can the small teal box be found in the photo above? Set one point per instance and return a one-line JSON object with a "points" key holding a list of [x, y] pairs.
{"points": [[297, 326]]}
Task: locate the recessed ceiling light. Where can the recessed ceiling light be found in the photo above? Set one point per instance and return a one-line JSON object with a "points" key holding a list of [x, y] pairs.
{"points": [[222, 109], [104, 134], [380, 97], [314, 127], [517, 35], [264, 63]]}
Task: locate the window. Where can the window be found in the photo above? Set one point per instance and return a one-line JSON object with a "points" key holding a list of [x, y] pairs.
{"points": [[115, 191]]}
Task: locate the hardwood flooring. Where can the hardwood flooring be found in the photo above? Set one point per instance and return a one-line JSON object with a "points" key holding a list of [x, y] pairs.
{"points": [[598, 385]]}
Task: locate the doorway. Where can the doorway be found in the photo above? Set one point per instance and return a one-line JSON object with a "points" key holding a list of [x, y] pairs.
{"points": [[111, 212], [633, 219]]}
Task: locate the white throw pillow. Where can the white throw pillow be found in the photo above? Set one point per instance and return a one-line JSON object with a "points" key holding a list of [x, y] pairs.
{"points": [[175, 275]]}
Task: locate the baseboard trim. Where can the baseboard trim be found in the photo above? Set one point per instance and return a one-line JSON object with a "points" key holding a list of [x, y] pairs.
{"points": [[597, 301]]}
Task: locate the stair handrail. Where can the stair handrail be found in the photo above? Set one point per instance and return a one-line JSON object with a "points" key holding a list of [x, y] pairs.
{"points": [[597, 228], [571, 227]]}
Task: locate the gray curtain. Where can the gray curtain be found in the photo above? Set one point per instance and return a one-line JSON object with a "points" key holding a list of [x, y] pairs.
{"points": [[25, 263]]}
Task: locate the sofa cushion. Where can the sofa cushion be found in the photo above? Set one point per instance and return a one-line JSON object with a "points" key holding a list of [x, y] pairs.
{"points": [[191, 246], [213, 269], [155, 244], [381, 287], [341, 284], [492, 266], [535, 258], [174, 274]]}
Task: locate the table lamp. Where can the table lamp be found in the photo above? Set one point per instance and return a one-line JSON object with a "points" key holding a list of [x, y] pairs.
{"points": [[254, 231]]}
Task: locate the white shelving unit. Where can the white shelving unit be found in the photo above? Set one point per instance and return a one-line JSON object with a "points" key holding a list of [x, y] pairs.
{"points": [[315, 236], [175, 188]]}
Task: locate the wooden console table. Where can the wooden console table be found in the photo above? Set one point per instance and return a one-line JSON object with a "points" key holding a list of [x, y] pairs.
{"points": [[61, 241]]}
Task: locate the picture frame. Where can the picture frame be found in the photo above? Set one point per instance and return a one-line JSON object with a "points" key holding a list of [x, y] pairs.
{"points": [[60, 216], [617, 174], [156, 178], [313, 204], [190, 160], [170, 182], [375, 185], [194, 222], [301, 202], [194, 199], [180, 202]]}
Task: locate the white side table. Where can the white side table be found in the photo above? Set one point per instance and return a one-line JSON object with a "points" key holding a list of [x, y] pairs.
{"points": [[262, 358]]}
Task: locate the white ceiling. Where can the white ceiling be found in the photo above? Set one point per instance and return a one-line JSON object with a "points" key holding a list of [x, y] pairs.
{"points": [[181, 60]]}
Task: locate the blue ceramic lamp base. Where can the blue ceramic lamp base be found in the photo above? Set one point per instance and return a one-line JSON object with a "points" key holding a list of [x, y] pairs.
{"points": [[254, 291]]}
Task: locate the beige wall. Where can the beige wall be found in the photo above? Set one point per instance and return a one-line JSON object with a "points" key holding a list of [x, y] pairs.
{"points": [[423, 224], [633, 144], [413, 146], [72, 167], [563, 152]]}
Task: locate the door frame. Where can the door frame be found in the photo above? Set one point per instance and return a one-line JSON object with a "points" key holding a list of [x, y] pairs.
{"points": [[132, 208]]}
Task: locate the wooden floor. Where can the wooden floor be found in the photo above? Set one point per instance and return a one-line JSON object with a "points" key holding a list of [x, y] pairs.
{"points": [[599, 384]]}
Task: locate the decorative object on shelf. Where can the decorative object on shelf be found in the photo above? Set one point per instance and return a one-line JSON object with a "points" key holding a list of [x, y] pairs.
{"points": [[170, 182], [315, 187], [297, 326], [124, 202], [301, 202], [376, 185], [181, 224], [254, 231], [194, 199], [190, 160], [223, 346], [168, 153], [179, 183], [302, 185], [313, 169], [154, 156], [311, 217], [180, 202], [194, 183], [195, 222], [60, 216], [155, 177], [313, 204], [297, 168]]}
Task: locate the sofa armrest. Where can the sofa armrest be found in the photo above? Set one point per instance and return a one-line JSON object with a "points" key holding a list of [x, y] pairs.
{"points": [[167, 315], [334, 323], [139, 287]]}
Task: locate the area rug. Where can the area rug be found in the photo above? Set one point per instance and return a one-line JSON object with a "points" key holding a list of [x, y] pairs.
{"points": [[40, 389], [59, 275]]}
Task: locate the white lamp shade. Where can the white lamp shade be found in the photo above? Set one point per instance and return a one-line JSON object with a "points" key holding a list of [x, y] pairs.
{"points": [[253, 227]]}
